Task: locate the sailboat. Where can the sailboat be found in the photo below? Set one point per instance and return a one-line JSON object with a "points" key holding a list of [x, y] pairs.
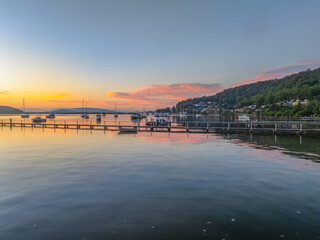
{"points": [[115, 111], [24, 115], [84, 115]]}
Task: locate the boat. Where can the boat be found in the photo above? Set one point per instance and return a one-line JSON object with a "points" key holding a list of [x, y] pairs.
{"points": [[183, 114], [103, 114], [39, 119], [159, 122], [24, 115], [136, 116], [243, 118], [51, 116], [98, 117], [115, 111], [306, 118], [84, 115], [128, 130]]}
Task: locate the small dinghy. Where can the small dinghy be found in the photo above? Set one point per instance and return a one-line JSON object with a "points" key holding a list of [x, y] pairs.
{"points": [[128, 130]]}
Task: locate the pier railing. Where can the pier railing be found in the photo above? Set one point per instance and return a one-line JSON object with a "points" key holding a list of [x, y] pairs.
{"points": [[299, 127]]}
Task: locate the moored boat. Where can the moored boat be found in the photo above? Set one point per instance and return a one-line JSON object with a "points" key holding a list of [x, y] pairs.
{"points": [[51, 116], [243, 118], [128, 130], [24, 115], [39, 119], [135, 116]]}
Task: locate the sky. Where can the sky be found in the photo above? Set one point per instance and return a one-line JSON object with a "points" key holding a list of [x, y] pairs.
{"points": [[147, 54]]}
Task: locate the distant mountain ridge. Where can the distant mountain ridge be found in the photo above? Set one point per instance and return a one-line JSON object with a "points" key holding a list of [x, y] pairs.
{"points": [[9, 110]]}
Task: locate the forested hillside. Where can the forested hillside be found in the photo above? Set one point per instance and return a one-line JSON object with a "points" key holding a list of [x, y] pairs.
{"points": [[270, 94]]}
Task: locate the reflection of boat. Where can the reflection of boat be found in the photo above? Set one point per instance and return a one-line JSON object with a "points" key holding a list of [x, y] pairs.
{"points": [[98, 117], [24, 115], [51, 116], [39, 120], [115, 111], [244, 118], [128, 130]]}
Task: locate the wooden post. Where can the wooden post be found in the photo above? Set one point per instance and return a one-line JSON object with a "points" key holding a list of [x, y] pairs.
{"points": [[228, 127], [300, 128], [187, 127], [207, 126], [250, 127]]}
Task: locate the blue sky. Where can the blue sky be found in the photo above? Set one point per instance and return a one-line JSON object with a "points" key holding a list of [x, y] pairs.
{"points": [[92, 48]]}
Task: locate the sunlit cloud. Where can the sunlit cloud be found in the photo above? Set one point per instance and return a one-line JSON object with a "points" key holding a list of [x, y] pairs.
{"points": [[64, 101], [167, 95], [273, 73], [4, 92], [57, 95]]}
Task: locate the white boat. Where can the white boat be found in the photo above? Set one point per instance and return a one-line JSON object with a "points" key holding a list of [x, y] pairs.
{"points": [[84, 115], [243, 118], [39, 120], [137, 116], [24, 115], [51, 116], [98, 117]]}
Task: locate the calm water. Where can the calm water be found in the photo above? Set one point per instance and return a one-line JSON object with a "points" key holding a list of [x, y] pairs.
{"points": [[57, 184]]}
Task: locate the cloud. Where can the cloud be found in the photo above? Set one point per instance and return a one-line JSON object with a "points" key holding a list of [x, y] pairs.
{"points": [[4, 92], [65, 101], [167, 94], [57, 95], [272, 73]]}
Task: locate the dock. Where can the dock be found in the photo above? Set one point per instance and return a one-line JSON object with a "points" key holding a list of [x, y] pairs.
{"points": [[275, 127]]}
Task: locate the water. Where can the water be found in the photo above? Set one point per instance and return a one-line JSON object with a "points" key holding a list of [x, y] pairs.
{"points": [[69, 184]]}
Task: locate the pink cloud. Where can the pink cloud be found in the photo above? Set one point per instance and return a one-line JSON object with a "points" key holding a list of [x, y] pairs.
{"points": [[167, 95], [272, 73]]}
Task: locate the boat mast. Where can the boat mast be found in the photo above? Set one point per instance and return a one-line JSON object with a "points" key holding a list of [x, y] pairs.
{"points": [[24, 107], [82, 105]]}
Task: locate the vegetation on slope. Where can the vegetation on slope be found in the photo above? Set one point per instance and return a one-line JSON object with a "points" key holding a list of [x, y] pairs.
{"points": [[269, 95]]}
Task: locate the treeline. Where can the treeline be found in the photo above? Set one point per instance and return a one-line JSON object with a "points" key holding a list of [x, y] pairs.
{"points": [[303, 85]]}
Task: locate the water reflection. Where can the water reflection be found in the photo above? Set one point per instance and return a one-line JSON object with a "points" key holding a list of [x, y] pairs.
{"points": [[84, 184]]}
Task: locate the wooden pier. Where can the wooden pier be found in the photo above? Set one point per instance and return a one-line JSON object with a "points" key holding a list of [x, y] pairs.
{"points": [[299, 128]]}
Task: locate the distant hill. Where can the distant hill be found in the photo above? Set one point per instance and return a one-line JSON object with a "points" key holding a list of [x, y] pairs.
{"points": [[9, 110], [303, 85], [81, 110]]}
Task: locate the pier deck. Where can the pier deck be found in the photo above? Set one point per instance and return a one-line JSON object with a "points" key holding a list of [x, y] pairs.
{"points": [[192, 127]]}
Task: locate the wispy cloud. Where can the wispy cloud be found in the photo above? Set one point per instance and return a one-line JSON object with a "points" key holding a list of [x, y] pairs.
{"points": [[62, 95], [167, 95], [4, 92], [64, 101], [272, 73]]}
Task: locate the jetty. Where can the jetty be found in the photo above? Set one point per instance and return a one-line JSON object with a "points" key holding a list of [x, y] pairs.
{"points": [[275, 127]]}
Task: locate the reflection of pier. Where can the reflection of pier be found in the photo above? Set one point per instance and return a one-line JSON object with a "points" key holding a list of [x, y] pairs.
{"points": [[195, 127]]}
